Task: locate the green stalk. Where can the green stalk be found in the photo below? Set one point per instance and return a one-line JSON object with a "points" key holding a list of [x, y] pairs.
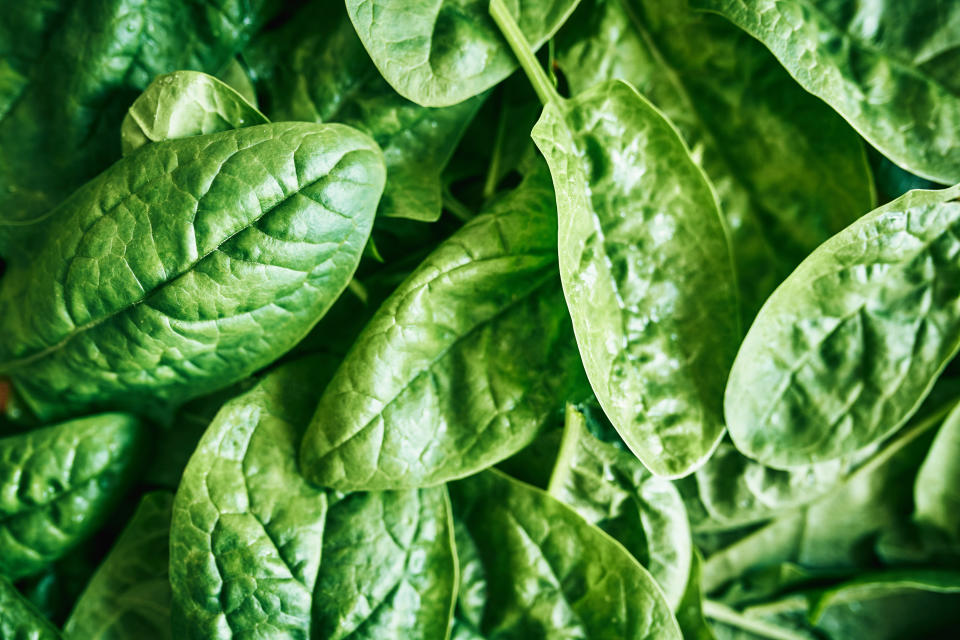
{"points": [[521, 48], [727, 615]]}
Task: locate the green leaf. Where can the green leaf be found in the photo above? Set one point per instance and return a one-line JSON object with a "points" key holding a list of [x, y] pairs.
{"points": [[182, 104], [129, 595], [19, 620], [389, 567], [441, 52], [247, 530], [314, 68], [885, 584], [788, 171], [844, 352], [59, 484], [656, 323], [546, 572], [890, 69], [611, 490], [237, 77], [187, 266], [84, 62], [936, 491], [690, 612], [461, 366]]}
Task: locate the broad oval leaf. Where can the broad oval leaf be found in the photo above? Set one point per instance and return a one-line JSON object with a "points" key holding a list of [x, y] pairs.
{"points": [[789, 172], [314, 68], [611, 490], [441, 52], [889, 68], [540, 570], [389, 567], [847, 348], [461, 366], [182, 104], [247, 529], [129, 595], [58, 485], [19, 619], [187, 266], [646, 271]]}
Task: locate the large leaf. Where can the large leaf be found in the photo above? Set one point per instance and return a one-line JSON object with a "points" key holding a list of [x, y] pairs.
{"points": [[843, 353], [889, 68], [188, 265], [129, 595], [182, 104], [540, 570], [611, 490], [247, 530], [788, 171], [19, 620], [389, 567], [441, 52], [85, 65], [58, 485], [314, 68], [656, 322], [461, 366], [937, 487]]}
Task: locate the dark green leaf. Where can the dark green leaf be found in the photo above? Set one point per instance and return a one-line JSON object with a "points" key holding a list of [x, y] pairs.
{"points": [[19, 620], [187, 266]]}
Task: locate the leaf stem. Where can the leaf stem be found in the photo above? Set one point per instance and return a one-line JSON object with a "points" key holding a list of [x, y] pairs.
{"points": [[457, 208], [493, 170], [521, 48], [574, 424], [722, 613]]}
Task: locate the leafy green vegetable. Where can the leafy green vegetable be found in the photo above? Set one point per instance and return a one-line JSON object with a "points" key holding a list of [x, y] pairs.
{"points": [[655, 323], [59, 484], [19, 620], [314, 68], [442, 52], [610, 489], [936, 488], [129, 596], [547, 572], [889, 68], [461, 366], [788, 172], [843, 353], [170, 265], [182, 104]]}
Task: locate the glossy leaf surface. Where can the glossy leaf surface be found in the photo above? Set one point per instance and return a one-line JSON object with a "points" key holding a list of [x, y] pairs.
{"points": [[314, 68], [461, 366], [788, 171], [188, 265], [544, 571], [441, 52], [890, 68], [247, 531], [842, 354], [19, 620], [58, 485], [182, 104], [129, 595], [655, 321]]}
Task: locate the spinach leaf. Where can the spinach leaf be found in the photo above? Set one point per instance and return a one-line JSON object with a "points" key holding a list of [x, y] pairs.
{"points": [[611, 490], [247, 530], [188, 265], [60, 130], [442, 52], [129, 595], [461, 366], [314, 68], [182, 104], [59, 484], [788, 171], [655, 321], [889, 68], [235, 75], [546, 572], [843, 353], [938, 482], [690, 612], [388, 569], [18, 618]]}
